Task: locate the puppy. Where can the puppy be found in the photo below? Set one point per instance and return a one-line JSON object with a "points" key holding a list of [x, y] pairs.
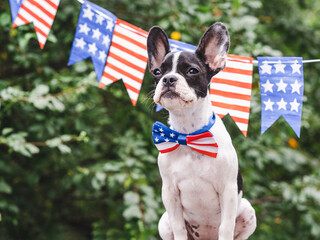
{"points": [[202, 186]]}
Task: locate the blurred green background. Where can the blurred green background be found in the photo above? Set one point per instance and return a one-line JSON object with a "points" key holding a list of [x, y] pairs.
{"points": [[78, 162]]}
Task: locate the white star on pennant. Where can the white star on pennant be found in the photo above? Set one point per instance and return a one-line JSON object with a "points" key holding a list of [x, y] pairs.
{"points": [[174, 49], [156, 139], [96, 33], [296, 87], [172, 135], [162, 134], [92, 48], [266, 68], [281, 86], [160, 129], [279, 67], [87, 13], [102, 56], [80, 43], [267, 86], [110, 25], [296, 67], [268, 104], [167, 140], [282, 104], [106, 40], [84, 28], [99, 19], [294, 105]]}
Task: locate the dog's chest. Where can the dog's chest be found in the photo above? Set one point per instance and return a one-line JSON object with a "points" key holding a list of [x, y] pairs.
{"points": [[196, 178]]}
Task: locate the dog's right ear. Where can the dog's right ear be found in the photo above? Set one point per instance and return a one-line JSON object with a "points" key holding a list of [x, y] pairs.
{"points": [[158, 47], [213, 47]]}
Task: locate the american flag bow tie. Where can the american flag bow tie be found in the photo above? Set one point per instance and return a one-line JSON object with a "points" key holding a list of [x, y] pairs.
{"points": [[202, 141]]}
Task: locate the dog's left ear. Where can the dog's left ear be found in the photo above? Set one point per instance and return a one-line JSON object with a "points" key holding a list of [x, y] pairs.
{"points": [[158, 47], [213, 47]]}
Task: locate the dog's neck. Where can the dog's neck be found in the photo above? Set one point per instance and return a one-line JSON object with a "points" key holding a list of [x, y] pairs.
{"points": [[191, 119]]}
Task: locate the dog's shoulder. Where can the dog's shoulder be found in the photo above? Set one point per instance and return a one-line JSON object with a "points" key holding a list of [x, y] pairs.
{"points": [[220, 133]]}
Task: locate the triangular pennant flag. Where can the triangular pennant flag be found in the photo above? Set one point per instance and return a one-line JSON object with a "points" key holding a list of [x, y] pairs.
{"points": [[127, 59], [158, 108], [176, 45], [41, 14], [230, 91], [281, 83], [93, 36], [14, 6]]}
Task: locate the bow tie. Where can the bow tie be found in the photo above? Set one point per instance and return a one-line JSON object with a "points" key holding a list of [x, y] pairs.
{"points": [[202, 141]]}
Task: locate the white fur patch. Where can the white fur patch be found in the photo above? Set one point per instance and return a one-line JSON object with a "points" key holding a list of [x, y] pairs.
{"points": [[175, 62]]}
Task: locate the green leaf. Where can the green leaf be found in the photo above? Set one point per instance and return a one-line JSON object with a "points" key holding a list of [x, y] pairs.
{"points": [[54, 142], [5, 188], [64, 148], [131, 198], [6, 131], [133, 211]]}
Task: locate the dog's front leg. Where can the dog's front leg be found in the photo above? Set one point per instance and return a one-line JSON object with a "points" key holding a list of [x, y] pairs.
{"points": [[229, 205], [172, 203]]}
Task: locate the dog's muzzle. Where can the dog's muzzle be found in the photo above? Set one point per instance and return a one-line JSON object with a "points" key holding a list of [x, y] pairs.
{"points": [[169, 81]]}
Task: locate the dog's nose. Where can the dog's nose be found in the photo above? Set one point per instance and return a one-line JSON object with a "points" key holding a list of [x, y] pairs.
{"points": [[169, 81]]}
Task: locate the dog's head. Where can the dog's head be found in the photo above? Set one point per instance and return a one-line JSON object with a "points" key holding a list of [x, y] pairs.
{"points": [[182, 78]]}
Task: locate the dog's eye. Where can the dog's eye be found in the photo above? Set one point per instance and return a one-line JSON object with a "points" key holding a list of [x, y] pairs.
{"points": [[193, 71], [157, 72]]}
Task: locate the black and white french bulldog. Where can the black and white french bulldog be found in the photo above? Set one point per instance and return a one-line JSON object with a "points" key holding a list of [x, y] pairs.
{"points": [[202, 194]]}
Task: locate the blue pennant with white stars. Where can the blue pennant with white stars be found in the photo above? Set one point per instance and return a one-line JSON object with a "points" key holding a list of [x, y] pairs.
{"points": [[176, 45], [14, 7], [281, 84], [93, 36]]}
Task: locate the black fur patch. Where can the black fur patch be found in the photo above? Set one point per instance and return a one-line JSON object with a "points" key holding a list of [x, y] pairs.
{"points": [[199, 81], [239, 181]]}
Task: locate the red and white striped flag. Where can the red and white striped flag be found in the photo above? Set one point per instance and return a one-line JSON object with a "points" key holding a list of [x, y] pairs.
{"points": [[127, 59], [230, 90], [41, 14]]}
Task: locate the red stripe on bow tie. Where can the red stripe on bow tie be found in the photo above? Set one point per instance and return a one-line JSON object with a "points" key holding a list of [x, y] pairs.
{"points": [[210, 154], [199, 136], [169, 149]]}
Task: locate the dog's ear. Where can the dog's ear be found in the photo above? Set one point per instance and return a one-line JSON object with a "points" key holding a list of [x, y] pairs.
{"points": [[158, 47], [213, 47]]}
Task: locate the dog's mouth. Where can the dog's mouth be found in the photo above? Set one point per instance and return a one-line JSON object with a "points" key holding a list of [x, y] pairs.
{"points": [[169, 93]]}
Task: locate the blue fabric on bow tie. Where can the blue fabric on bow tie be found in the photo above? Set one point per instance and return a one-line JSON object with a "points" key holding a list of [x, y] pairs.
{"points": [[202, 141]]}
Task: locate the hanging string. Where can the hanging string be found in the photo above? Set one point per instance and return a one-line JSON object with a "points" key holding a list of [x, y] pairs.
{"points": [[255, 62]]}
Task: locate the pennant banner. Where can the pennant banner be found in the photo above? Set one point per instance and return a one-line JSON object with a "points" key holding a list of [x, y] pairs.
{"points": [[127, 59], [118, 51], [230, 90], [281, 81], [93, 36], [40, 14]]}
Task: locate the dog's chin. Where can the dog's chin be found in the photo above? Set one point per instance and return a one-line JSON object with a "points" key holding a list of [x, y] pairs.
{"points": [[172, 100]]}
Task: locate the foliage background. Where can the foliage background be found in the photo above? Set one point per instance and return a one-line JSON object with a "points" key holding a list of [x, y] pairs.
{"points": [[77, 162]]}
